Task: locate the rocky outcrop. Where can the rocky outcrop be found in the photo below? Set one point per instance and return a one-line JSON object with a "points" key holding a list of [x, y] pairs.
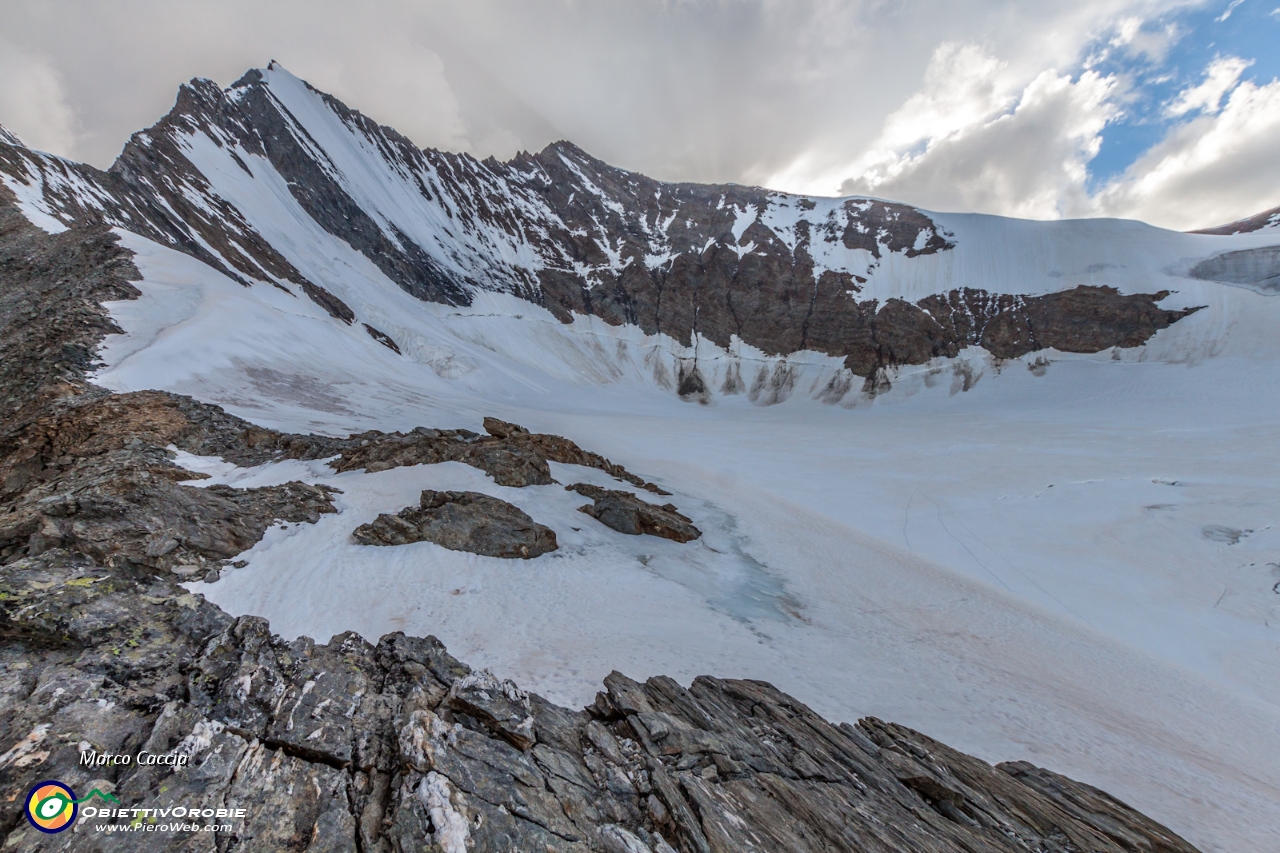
{"points": [[509, 463], [625, 513], [462, 521], [396, 747], [872, 336], [382, 338], [1266, 219], [88, 471], [50, 316], [510, 454], [779, 272]]}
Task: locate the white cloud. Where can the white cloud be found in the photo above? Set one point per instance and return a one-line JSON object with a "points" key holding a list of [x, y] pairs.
{"points": [[987, 146], [1133, 36], [1213, 169], [972, 139], [943, 103], [36, 108], [1219, 78], [704, 90], [963, 86], [1231, 7]]}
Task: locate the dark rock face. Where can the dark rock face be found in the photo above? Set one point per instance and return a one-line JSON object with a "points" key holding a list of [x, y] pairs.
{"points": [[1266, 219], [692, 261], [1082, 319], [382, 338], [462, 521], [871, 336], [50, 319], [625, 513], [768, 295], [395, 747]]}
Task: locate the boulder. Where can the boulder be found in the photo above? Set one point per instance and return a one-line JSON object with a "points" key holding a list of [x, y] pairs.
{"points": [[503, 429], [626, 513], [462, 521]]}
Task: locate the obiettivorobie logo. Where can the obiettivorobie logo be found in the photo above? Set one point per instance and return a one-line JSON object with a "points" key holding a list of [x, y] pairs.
{"points": [[52, 806]]}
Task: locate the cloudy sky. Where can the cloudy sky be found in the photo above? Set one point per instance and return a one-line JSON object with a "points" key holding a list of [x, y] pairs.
{"points": [[1162, 110]]}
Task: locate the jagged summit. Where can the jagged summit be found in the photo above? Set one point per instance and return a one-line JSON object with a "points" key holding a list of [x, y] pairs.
{"points": [[10, 138]]}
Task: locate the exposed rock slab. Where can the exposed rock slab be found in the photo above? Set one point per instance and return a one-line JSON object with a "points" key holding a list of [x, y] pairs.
{"points": [[462, 521], [625, 513]]}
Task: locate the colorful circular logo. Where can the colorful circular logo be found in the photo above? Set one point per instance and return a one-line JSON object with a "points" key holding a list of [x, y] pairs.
{"points": [[51, 807]]}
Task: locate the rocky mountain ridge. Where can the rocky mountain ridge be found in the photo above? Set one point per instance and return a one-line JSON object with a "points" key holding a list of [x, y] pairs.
{"points": [[1257, 222], [396, 746], [719, 263]]}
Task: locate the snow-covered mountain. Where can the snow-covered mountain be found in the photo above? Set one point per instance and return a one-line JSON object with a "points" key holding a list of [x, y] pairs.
{"points": [[265, 181], [1009, 481]]}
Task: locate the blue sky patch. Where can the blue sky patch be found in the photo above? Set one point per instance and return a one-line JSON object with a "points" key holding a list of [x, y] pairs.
{"points": [[1166, 56]]}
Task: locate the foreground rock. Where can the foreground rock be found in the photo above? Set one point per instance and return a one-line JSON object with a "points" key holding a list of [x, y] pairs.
{"points": [[399, 747], [462, 521], [625, 513]]}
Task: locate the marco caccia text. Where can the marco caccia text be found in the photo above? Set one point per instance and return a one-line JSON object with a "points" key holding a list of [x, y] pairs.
{"points": [[92, 758]]}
